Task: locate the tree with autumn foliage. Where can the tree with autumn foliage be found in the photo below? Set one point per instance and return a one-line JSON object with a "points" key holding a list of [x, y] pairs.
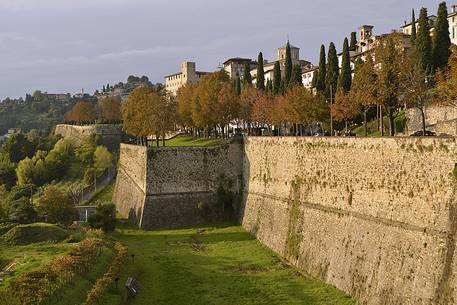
{"points": [[227, 108], [110, 110], [262, 110], [305, 108], [447, 82], [363, 89], [345, 108], [82, 113], [185, 99]]}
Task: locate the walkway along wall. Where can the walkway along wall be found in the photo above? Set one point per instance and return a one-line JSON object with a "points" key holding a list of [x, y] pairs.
{"points": [[170, 187], [377, 218]]}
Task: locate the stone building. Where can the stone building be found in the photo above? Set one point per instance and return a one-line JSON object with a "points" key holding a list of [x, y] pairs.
{"points": [[281, 57], [452, 18], [235, 66], [308, 75], [188, 75]]}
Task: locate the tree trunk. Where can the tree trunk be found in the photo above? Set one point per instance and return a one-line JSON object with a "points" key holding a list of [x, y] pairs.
{"points": [[391, 123], [163, 138], [157, 140], [423, 120], [365, 123], [382, 121]]}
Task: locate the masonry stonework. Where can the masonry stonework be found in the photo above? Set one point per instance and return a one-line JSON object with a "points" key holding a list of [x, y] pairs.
{"points": [[111, 135], [377, 218], [178, 186], [374, 217]]}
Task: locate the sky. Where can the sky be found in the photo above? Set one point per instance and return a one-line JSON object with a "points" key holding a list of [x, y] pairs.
{"points": [[63, 46]]}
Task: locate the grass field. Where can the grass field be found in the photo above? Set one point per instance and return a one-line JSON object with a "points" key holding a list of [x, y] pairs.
{"points": [[187, 141], [30, 257], [400, 122], [102, 196], [216, 265]]}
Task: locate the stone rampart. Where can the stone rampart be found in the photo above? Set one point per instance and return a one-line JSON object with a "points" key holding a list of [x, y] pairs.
{"points": [[111, 135], [176, 187], [438, 118], [377, 218]]}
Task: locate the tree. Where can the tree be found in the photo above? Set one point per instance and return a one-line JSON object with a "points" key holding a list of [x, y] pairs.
{"points": [[389, 60], [247, 100], [85, 152], [288, 66], [22, 211], [447, 82], [247, 78], [344, 109], [441, 39], [345, 78], [417, 87], [332, 71], [104, 217], [304, 108], [260, 81], [228, 106], [16, 148], [314, 80], [185, 100], [238, 85], [55, 206], [296, 79], [277, 78], [262, 109], [82, 112], [363, 89], [110, 110], [353, 45], [413, 28], [424, 42], [322, 73], [7, 173], [103, 159]]}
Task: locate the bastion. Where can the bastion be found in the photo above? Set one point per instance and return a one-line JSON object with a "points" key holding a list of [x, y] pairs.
{"points": [[375, 217], [111, 135]]}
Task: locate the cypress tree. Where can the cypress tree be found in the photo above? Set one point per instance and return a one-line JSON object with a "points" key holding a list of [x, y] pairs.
{"points": [[103, 90], [314, 80], [282, 89], [322, 73], [296, 76], [441, 40], [288, 66], [413, 28], [270, 86], [238, 85], [247, 79], [424, 42], [353, 45], [277, 78], [260, 81], [345, 78], [332, 71]]}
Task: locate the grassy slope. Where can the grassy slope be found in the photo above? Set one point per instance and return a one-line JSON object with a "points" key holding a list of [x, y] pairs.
{"points": [[400, 122], [102, 196], [30, 257], [189, 141], [221, 266]]}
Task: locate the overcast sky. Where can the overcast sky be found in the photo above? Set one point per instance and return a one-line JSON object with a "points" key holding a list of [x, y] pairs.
{"points": [[65, 45]]}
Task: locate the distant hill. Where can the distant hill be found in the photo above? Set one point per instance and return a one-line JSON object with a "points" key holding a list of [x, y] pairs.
{"points": [[122, 90]]}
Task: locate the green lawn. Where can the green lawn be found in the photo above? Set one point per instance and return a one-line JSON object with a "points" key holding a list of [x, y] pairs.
{"points": [[182, 140], [102, 196], [215, 265], [400, 123], [30, 257]]}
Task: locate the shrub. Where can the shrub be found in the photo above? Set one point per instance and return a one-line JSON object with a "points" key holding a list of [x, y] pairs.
{"points": [[56, 206], [5, 227], [35, 233], [104, 217], [102, 284], [22, 211]]}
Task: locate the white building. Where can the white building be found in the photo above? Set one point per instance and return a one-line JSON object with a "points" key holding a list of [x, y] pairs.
{"points": [[235, 66], [308, 76], [187, 75], [281, 58]]}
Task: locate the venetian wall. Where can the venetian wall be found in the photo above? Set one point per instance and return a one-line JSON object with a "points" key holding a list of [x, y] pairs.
{"points": [[438, 118], [377, 218], [170, 187], [111, 135]]}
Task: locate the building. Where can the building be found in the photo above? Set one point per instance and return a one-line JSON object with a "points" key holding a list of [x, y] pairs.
{"points": [[308, 76], [281, 58], [452, 18], [235, 66], [188, 75]]}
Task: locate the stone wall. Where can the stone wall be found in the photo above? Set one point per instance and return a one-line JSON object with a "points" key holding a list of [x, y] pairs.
{"points": [[111, 135], [377, 218], [176, 187], [440, 119]]}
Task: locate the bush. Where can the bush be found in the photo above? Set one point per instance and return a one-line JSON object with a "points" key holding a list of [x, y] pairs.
{"points": [[35, 233], [89, 176], [56, 206], [5, 227], [22, 211], [104, 217]]}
